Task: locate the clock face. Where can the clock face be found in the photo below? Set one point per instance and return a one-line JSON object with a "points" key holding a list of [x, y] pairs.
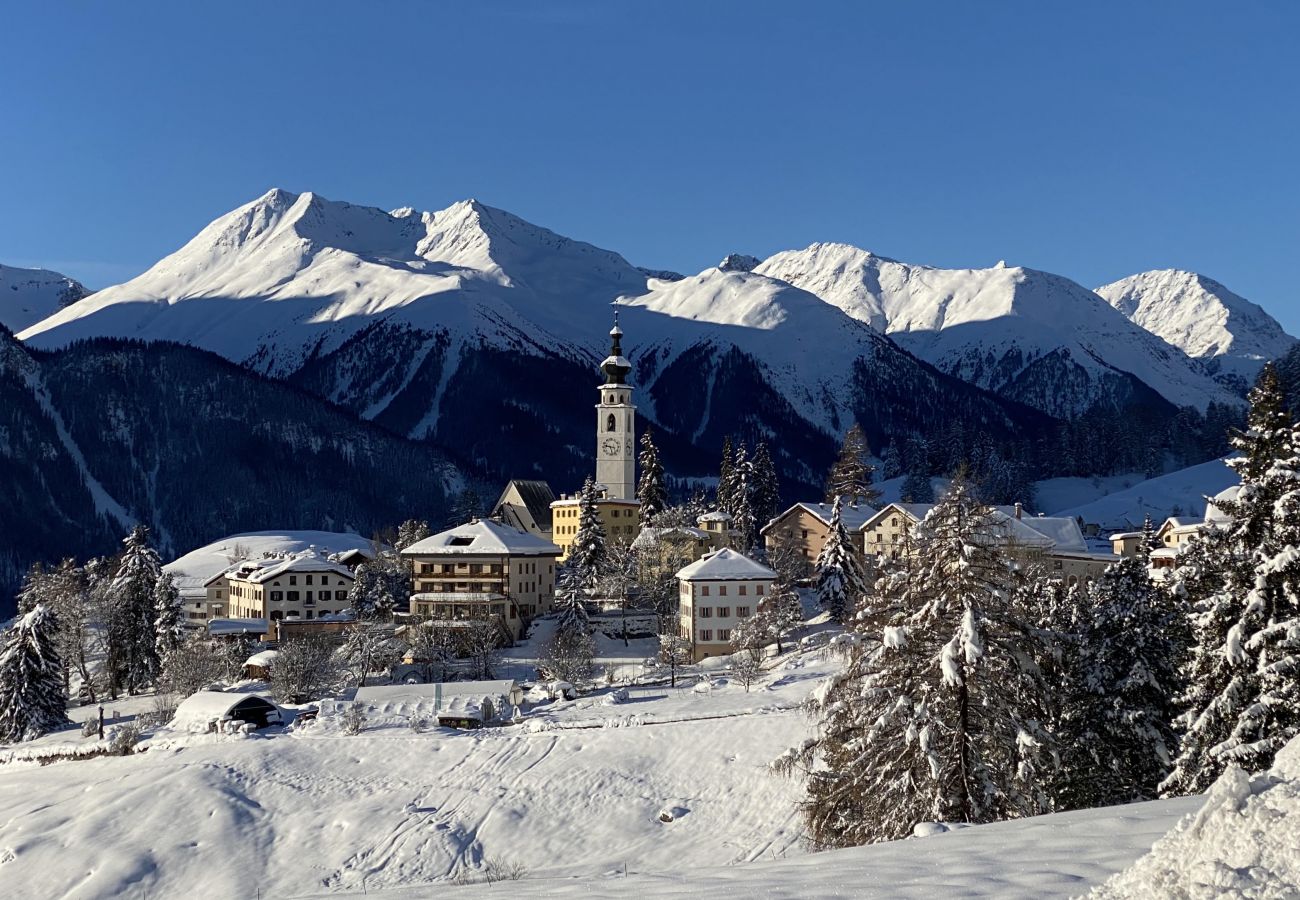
{"points": [[627, 446], [610, 446]]}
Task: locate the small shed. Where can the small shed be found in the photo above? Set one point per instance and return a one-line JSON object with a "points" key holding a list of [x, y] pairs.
{"points": [[208, 711], [465, 713], [259, 665]]}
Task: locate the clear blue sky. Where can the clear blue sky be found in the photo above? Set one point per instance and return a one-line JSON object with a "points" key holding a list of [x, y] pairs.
{"points": [[1091, 139]]}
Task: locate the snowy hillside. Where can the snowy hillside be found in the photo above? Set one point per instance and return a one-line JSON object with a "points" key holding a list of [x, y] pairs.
{"points": [[1202, 318], [29, 295], [1032, 336], [428, 322], [1178, 493]]}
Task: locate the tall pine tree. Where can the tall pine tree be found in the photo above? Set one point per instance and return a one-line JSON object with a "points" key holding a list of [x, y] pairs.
{"points": [[841, 581], [650, 490], [132, 639], [32, 698], [938, 714], [726, 476], [851, 476], [765, 495]]}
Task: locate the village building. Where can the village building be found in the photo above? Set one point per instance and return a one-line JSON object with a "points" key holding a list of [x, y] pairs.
{"points": [[526, 505], [483, 570], [718, 524], [616, 504], [207, 711], [1057, 541], [454, 704], [304, 585], [807, 525], [716, 594]]}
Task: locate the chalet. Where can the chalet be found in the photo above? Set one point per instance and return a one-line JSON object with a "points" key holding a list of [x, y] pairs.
{"points": [[808, 524], [526, 505], [304, 585], [483, 570], [716, 594]]}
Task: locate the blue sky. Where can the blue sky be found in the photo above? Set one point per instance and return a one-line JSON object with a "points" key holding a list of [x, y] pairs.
{"points": [[1095, 140]]}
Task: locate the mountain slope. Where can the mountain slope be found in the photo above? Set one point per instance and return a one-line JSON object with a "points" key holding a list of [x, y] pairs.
{"points": [[104, 434], [1202, 318], [1031, 336], [471, 328], [29, 295]]}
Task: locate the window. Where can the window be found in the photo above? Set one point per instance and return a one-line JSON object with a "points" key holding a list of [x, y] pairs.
{"points": [[704, 591], [742, 612], [311, 614], [340, 595], [1056, 564], [706, 612], [706, 634], [724, 634], [610, 424], [277, 596], [894, 522], [724, 611], [307, 599], [759, 589], [292, 596], [805, 533], [880, 536], [293, 579], [324, 579], [308, 579], [722, 590], [742, 590]]}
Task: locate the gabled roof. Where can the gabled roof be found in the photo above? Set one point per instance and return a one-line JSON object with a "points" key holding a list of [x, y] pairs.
{"points": [[853, 517], [1062, 531], [536, 497], [650, 536], [915, 511], [259, 571], [483, 537], [725, 565], [1047, 532]]}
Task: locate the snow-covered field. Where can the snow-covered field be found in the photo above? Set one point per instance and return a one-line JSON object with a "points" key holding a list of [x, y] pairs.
{"points": [[666, 794], [1184, 491]]}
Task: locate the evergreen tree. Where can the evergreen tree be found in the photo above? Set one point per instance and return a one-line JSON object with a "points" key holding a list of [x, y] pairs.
{"points": [[1116, 731], [851, 476], [168, 625], [743, 520], [32, 699], [33, 589], [412, 531], [467, 506], [571, 605], [891, 461], [726, 476], [841, 581], [133, 655], [375, 587], [651, 491], [1148, 541], [765, 495], [917, 488], [587, 554], [1243, 697], [938, 714]]}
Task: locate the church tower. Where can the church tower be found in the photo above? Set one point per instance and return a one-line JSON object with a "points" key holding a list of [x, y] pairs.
{"points": [[616, 424]]}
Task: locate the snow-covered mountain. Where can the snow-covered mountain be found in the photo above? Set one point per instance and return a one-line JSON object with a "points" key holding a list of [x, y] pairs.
{"points": [[1032, 336], [29, 295], [1202, 318], [475, 329]]}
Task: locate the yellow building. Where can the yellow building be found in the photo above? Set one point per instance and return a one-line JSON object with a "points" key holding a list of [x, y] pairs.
{"points": [[621, 518]]}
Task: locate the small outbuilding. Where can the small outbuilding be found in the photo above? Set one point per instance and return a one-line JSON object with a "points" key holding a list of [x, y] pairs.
{"points": [[208, 711], [258, 666]]}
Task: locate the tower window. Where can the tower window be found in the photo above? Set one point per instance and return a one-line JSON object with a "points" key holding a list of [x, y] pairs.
{"points": [[609, 399], [609, 423]]}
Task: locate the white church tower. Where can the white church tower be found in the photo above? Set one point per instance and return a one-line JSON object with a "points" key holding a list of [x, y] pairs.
{"points": [[616, 424]]}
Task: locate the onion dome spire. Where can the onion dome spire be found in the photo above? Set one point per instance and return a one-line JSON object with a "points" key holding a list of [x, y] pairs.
{"points": [[616, 367]]}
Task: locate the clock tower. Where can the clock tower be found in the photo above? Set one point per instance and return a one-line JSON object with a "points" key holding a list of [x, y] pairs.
{"points": [[616, 424]]}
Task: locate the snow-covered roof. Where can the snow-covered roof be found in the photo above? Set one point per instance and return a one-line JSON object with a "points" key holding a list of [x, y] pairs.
{"points": [[853, 517], [1062, 531], [457, 596], [483, 537], [201, 709], [650, 536], [535, 495], [716, 515], [1214, 515], [725, 565], [1125, 536], [448, 690], [263, 659], [915, 511], [237, 626], [1046, 532], [1181, 523], [259, 571]]}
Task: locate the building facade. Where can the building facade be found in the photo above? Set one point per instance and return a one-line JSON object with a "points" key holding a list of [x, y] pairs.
{"points": [[806, 525], [483, 570], [526, 505], [620, 518], [304, 586], [716, 594]]}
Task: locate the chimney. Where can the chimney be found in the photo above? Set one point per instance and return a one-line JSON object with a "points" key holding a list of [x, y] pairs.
{"points": [[1019, 509]]}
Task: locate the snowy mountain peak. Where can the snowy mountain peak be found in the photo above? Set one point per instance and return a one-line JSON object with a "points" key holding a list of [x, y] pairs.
{"points": [[29, 295], [1201, 317], [739, 262]]}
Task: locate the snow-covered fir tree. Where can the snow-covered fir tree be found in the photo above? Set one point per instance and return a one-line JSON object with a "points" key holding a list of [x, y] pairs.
{"points": [[841, 581], [1116, 728], [938, 714], [133, 654], [852, 476], [168, 625], [891, 461], [1243, 697], [372, 593], [917, 488], [588, 550], [743, 520], [410, 532], [651, 490], [726, 476], [33, 588], [32, 698], [765, 495]]}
